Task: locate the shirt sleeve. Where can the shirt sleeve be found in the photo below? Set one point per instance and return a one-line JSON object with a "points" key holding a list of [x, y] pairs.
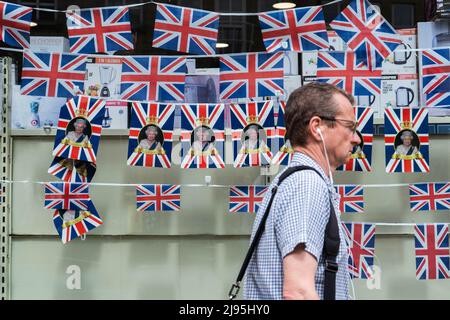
{"points": [[301, 213]]}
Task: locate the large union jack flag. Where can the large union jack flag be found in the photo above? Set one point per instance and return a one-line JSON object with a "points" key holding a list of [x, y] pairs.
{"points": [[66, 195], [344, 71], [361, 158], [72, 224], [198, 122], [432, 251], [352, 198], [153, 78], [185, 29], [160, 117], [246, 198], [15, 23], [158, 197], [435, 71], [399, 157], [281, 148], [53, 74], [90, 110], [99, 30], [360, 238], [71, 170], [366, 32], [429, 196], [298, 29], [244, 119], [438, 100], [251, 75]]}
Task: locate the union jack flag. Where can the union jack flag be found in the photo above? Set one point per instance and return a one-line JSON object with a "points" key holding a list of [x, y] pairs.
{"points": [[70, 170], [297, 29], [66, 195], [159, 116], [209, 119], [158, 197], [361, 159], [246, 198], [366, 32], [352, 198], [435, 71], [92, 111], [285, 151], [251, 75], [99, 30], [82, 222], [438, 100], [185, 29], [251, 115], [429, 196], [53, 74], [396, 122], [360, 238], [15, 23], [432, 251], [154, 78], [344, 71]]}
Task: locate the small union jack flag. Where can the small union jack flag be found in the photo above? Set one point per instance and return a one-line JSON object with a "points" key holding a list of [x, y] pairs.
{"points": [[246, 198], [432, 251], [72, 224], [352, 198], [70, 170], [99, 30], [251, 75], [158, 197], [435, 71], [366, 32], [66, 195], [285, 151], [429, 196], [361, 158], [82, 146], [294, 30], [344, 71], [360, 238], [406, 140], [185, 29], [15, 23], [53, 74], [154, 78]]}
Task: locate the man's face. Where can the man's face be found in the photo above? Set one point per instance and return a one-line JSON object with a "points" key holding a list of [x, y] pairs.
{"points": [[407, 140]]}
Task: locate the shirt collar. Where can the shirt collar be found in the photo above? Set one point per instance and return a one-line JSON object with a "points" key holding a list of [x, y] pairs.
{"points": [[301, 158]]}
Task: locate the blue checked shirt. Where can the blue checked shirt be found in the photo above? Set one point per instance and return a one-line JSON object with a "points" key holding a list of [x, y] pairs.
{"points": [[299, 215]]}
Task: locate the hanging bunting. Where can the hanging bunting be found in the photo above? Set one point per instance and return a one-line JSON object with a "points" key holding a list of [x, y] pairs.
{"points": [[79, 129], [158, 197], [66, 195], [406, 140], [351, 198], [251, 75], [344, 71], [435, 71], [53, 74], [153, 78], [253, 129], [185, 29], [361, 158], [432, 251], [360, 238], [281, 148], [294, 29], [151, 134], [244, 199], [15, 24], [102, 30], [71, 170], [202, 136], [367, 33], [72, 224], [429, 196]]}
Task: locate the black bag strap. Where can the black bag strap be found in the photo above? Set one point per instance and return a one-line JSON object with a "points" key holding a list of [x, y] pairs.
{"points": [[331, 242]]}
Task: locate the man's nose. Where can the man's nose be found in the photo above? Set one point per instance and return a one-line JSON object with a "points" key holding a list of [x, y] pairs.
{"points": [[356, 139]]}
